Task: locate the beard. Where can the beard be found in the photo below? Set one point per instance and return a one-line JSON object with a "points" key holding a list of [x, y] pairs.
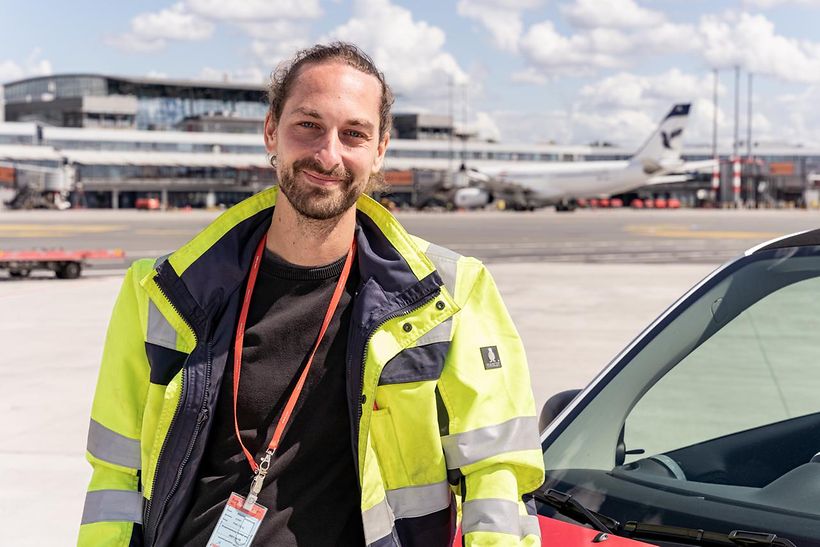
{"points": [[317, 203]]}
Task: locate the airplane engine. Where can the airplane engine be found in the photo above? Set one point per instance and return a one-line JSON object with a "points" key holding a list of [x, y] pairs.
{"points": [[471, 198]]}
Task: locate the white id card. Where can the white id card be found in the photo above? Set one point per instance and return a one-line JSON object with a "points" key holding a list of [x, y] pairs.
{"points": [[237, 526]]}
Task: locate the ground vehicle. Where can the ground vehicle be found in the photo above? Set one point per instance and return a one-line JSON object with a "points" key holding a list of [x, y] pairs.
{"points": [[65, 264], [710, 419]]}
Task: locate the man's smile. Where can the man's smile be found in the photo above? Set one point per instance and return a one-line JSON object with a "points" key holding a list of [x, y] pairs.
{"points": [[322, 180]]}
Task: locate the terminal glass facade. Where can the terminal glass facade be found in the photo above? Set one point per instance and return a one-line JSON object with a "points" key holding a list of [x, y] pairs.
{"points": [[167, 112], [57, 87], [160, 105]]}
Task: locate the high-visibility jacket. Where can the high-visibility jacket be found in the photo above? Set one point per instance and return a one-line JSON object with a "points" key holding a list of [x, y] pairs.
{"points": [[430, 343]]}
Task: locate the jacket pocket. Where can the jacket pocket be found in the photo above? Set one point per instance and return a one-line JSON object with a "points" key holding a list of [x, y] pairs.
{"points": [[416, 364], [387, 448]]}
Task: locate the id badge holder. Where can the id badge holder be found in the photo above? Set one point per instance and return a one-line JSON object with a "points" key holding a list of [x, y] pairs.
{"points": [[237, 525]]}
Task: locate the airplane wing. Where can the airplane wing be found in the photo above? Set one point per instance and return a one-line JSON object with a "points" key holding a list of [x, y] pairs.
{"points": [[702, 166], [683, 172], [668, 179]]}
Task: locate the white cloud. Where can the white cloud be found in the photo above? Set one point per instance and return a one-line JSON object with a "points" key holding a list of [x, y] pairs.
{"points": [[174, 23], [255, 10], [529, 75], [551, 53], [277, 31], [410, 52], [522, 126], [750, 41], [627, 90], [615, 14], [767, 4], [549, 49], [272, 54], [151, 31], [33, 65], [289, 36], [797, 115], [721, 40], [626, 107], [502, 18], [251, 75], [483, 126], [133, 43]]}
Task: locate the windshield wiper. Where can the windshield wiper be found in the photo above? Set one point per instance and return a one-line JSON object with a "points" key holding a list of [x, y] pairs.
{"points": [[568, 506], [692, 536], [572, 508]]}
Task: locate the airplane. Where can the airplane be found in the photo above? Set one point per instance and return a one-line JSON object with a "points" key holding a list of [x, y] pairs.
{"points": [[658, 161]]}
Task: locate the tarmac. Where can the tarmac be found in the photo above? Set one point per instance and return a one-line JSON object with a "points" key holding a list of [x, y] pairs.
{"points": [[573, 317]]}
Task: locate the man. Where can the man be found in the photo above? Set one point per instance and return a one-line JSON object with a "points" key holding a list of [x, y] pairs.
{"points": [[304, 372]]}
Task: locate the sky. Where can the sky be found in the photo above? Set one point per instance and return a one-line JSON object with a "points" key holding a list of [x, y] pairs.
{"points": [[523, 71]]}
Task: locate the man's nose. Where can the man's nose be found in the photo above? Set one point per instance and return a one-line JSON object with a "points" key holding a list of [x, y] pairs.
{"points": [[329, 150]]}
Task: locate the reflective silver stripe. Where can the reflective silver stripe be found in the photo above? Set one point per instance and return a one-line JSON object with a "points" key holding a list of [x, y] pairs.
{"points": [[531, 508], [529, 526], [110, 446], [377, 522], [439, 333], [491, 515], [112, 506], [446, 262], [160, 332], [417, 501], [462, 449]]}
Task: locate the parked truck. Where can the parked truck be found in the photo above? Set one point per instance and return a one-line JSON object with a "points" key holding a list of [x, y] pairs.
{"points": [[64, 264]]}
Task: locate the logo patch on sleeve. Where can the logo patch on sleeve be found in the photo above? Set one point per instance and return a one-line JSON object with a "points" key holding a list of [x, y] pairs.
{"points": [[490, 357]]}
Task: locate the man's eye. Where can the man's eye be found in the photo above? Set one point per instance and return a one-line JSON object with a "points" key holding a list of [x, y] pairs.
{"points": [[356, 134], [307, 124]]}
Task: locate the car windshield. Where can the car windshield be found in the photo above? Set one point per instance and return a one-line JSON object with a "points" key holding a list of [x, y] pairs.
{"points": [[711, 419]]}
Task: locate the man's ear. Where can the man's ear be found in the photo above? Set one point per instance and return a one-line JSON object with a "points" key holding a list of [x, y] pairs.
{"points": [[270, 133], [380, 152]]}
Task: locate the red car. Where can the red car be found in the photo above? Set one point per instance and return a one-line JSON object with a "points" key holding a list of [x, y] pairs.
{"points": [[705, 430]]}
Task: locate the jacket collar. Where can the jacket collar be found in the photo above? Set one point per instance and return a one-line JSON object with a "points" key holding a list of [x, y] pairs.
{"points": [[199, 277]]}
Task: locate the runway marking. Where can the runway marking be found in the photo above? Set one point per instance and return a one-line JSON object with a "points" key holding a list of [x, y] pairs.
{"points": [[164, 232], [55, 230], [686, 232]]}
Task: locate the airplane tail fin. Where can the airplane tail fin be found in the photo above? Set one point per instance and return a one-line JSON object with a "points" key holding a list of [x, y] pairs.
{"points": [[662, 149]]}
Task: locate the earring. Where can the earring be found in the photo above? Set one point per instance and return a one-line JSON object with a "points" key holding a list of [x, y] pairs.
{"points": [[272, 160]]}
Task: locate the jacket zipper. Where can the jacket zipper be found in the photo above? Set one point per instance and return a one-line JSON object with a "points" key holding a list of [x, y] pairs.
{"points": [[371, 333], [150, 532], [399, 313]]}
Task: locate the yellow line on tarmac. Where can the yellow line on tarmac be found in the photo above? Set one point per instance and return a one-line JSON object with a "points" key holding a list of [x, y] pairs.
{"points": [[165, 232], [55, 230], [686, 232]]}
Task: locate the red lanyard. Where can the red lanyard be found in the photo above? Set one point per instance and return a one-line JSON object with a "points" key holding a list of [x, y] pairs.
{"points": [[262, 468]]}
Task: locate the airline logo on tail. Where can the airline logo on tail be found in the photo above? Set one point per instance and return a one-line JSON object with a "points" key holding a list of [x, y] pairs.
{"points": [[669, 136], [663, 148]]}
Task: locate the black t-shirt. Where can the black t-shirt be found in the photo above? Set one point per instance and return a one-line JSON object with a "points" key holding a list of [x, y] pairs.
{"points": [[311, 490]]}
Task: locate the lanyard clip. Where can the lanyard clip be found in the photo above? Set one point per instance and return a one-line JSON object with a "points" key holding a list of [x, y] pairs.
{"points": [[258, 480]]}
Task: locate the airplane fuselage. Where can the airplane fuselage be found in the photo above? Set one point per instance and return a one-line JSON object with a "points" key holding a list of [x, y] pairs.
{"points": [[556, 182]]}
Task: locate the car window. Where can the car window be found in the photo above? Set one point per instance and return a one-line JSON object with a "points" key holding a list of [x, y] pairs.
{"points": [[760, 368], [711, 418]]}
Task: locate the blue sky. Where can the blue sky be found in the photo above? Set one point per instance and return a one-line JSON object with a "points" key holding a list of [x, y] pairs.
{"points": [[568, 71]]}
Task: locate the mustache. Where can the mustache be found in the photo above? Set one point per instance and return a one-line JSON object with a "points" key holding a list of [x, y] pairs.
{"points": [[311, 164]]}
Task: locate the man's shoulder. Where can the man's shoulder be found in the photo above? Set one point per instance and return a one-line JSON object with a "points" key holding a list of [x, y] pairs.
{"points": [[436, 252]]}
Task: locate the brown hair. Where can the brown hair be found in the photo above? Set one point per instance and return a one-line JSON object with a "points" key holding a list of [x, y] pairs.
{"points": [[285, 75]]}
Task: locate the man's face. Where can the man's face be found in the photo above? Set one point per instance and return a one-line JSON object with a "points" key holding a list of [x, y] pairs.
{"points": [[327, 142]]}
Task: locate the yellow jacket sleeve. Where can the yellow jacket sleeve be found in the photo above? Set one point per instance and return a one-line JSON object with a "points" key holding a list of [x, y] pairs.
{"points": [[113, 506], [493, 440]]}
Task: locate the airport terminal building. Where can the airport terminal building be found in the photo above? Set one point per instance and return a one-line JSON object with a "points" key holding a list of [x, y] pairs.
{"points": [[199, 144]]}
